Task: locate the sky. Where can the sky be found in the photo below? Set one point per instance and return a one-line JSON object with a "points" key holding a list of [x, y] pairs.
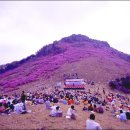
{"points": [[27, 26]]}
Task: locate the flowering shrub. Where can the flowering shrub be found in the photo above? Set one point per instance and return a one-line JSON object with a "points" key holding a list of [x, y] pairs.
{"points": [[51, 57]]}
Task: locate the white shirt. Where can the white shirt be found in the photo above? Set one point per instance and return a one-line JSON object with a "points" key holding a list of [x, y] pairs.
{"points": [[69, 112], [123, 117], [1, 100], [112, 103], [53, 107], [92, 125], [53, 111], [18, 108], [10, 100]]}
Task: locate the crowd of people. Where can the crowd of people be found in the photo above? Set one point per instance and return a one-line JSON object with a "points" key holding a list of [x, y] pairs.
{"points": [[12, 103], [98, 102]]}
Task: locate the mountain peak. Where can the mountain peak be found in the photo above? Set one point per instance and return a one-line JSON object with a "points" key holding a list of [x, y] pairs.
{"points": [[91, 59], [75, 38], [82, 38]]}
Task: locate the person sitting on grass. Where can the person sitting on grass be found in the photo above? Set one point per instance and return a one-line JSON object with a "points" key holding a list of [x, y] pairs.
{"points": [[122, 116], [85, 108], [94, 108], [100, 109], [128, 115], [90, 107], [64, 101], [85, 101], [7, 108], [72, 101], [56, 112], [18, 108], [91, 124], [69, 101], [71, 113], [2, 108], [48, 104]]}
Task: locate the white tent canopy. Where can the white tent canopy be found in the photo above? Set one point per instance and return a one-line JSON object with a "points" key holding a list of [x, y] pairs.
{"points": [[75, 81]]}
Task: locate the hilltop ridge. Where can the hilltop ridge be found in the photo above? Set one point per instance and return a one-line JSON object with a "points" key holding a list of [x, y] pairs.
{"points": [[73, 54]]}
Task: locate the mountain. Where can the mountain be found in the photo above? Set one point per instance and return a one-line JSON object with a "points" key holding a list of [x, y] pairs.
{"points": [[73, 56]]}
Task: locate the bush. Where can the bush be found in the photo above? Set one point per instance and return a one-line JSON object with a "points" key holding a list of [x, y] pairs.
{"points": [[122, 84]]}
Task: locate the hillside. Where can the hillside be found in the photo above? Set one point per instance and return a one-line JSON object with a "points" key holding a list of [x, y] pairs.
{"points": [[90, 59]]}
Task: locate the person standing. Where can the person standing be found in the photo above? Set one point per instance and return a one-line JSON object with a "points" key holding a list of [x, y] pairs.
{"points": [[104, 91], [91, 124], [23, 99]]}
